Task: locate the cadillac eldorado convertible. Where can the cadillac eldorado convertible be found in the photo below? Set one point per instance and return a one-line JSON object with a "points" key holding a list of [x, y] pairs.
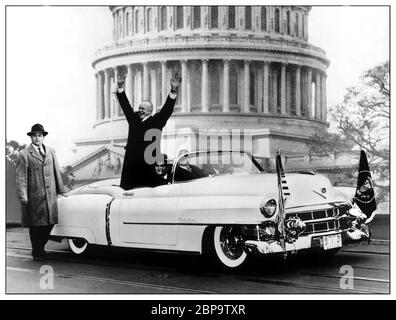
{"points": [[218, 202]]}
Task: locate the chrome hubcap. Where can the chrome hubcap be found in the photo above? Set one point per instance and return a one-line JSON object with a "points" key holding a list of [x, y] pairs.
{"points": [[231, 242]]}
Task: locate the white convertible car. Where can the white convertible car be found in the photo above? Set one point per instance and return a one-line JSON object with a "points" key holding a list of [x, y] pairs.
{"points": [[221, 203]]}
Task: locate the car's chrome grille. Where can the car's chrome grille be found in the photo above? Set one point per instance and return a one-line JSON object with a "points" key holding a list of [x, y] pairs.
{"points": [[325, 226], [315, 215], [320, 220]]}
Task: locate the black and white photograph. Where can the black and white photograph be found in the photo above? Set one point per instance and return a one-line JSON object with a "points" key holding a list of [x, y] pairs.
{"points": [[197, 149]]}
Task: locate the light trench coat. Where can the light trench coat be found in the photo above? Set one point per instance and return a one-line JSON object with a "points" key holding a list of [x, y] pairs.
{"points": [[40, 181]]}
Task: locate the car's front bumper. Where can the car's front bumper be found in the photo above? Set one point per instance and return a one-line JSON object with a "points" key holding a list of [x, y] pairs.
{"points": [[312, 241]]}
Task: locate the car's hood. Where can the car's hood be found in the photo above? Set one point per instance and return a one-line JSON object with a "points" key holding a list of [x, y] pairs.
{"points": [[305, 189]]}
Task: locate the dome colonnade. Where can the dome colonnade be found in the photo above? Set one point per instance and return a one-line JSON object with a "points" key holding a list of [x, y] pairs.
{"points": [[249, 65], [253, 86]]}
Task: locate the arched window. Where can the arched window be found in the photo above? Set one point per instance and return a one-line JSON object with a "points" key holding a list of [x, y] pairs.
{"points": [[248, 18], [288, 22], [214, 17], [313, 100], [115, 27], [127, 23], [119, 24], [233, 85], [195, 84], [296, 24], [137, 21], [197, 17], [277, 20], [179, 17], [252, 87], [149, 19], [215, 83], [163, 18], [231, 17], [264, 18]]}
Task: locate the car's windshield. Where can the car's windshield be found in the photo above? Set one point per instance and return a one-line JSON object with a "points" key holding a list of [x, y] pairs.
{"points": [[206, 164]]}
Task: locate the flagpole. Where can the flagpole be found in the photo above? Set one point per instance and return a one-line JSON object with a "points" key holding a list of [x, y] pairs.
{"points": [[281, 220]]}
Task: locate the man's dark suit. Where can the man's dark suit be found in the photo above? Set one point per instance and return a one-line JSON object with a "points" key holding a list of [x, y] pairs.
{"points": [[135, 171]]}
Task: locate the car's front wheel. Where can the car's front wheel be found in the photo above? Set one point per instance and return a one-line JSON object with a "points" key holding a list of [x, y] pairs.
{"points": [[228, 245], [77, 245]]}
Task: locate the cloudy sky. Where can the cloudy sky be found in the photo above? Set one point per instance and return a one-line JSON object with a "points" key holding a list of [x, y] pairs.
{"points": [[50, 79]]}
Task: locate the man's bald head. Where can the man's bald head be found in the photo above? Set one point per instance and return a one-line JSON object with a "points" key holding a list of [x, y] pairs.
{"points": [[145, 109]]}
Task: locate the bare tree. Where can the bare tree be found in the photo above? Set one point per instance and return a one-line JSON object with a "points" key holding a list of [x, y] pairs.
{"points": [[362, 122], [12, 149]]}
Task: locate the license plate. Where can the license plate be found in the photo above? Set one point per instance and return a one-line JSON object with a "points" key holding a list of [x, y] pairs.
{"points": [[331, 242]]}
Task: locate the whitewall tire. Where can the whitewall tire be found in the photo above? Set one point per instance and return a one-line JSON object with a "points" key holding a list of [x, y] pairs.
{"points": [[77, 245], [228, 246]]}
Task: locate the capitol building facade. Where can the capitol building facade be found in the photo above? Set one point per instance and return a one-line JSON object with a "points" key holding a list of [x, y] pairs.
{"points": [[247, 69]]}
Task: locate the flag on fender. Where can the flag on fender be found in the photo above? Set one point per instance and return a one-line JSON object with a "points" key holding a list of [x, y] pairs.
{"points": [[364, 196]]}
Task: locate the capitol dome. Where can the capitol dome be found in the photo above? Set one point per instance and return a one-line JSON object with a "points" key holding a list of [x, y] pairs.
{"points": [[243, 67]]}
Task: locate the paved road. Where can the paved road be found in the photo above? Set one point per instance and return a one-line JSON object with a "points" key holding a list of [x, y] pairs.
{"points": [[113, 270]]}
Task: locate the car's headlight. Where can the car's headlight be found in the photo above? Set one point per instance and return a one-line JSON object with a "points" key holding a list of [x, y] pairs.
{"points": [[268, 208]]}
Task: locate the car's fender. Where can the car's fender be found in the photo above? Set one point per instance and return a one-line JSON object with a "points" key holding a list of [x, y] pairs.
{"points": [[81, 212], [348, 192], [73, 232]]}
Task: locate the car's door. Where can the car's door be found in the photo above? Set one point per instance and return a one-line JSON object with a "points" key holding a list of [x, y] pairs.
{"points": [[149, 216]]}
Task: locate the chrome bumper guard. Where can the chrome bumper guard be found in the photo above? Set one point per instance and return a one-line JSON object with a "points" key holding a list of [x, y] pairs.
{"points": [[309, 241]]}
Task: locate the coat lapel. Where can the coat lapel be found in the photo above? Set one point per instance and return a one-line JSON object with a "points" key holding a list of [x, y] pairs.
{"points": [[34, 153], [46, 154]]}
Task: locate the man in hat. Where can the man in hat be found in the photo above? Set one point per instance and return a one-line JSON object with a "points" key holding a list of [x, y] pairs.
{"points": [[136, 169], [39, 181]]}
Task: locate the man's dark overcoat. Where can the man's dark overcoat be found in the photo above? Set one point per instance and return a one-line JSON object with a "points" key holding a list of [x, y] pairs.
{"points": [[136, 172]]}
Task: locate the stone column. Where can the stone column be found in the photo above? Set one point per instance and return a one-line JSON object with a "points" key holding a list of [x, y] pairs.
{"points": [[114, 27], [117, 107], [246, 88], [298, 90], [205, 86], [145, 82], [129, 85], [318, 104], [226, 85], [204, 17], [306, 27], [275, 91], [324, 97], [124, 25], [153, 82], [107, 94], [164, 84], [283, 89], [97, 96], [186, 18], [184, 98], [309, 93], [266, 87], [101, 96]]}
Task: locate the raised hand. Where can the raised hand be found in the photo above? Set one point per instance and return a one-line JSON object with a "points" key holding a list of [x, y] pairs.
{"points": [[176, 80], [121, 75]]}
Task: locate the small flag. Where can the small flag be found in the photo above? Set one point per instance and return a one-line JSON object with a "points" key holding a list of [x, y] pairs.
{"points": [[364, 196], [284, 194]]}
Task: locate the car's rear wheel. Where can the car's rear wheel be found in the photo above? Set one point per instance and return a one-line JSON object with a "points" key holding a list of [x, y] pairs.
{"points": [[77, 245], [228, 246]]}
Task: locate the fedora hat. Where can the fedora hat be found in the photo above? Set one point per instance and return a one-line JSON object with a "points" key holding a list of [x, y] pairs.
{"points": [[37, 128]]}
